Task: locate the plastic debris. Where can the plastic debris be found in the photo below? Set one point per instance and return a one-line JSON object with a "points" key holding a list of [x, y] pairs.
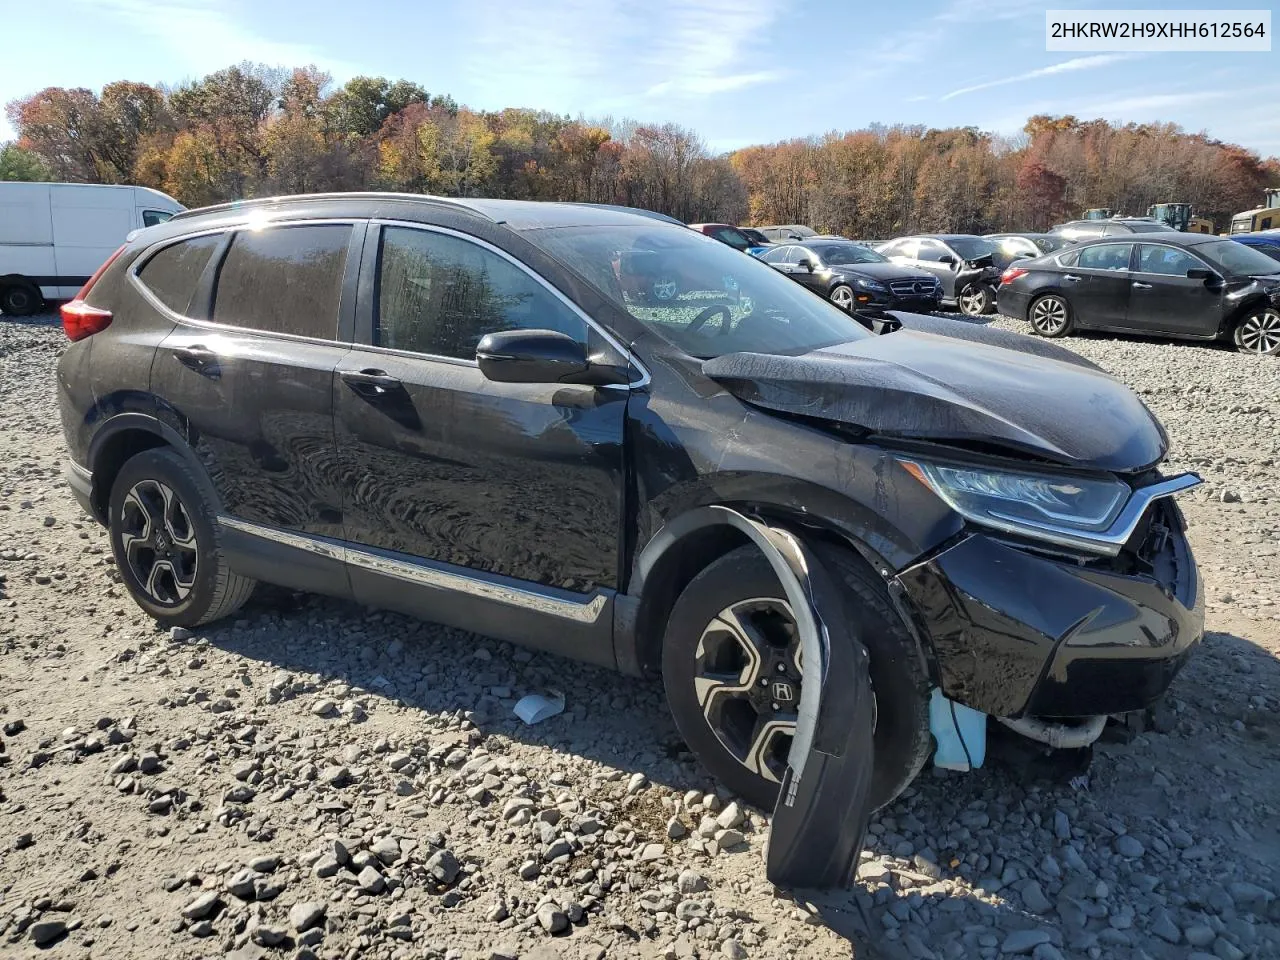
{"points": [[535, 707]]}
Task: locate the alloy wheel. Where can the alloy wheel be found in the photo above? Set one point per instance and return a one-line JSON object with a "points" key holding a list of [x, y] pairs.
{"points": [[1259, 333], [747, 676], [842, 297], [973, 300], [159, 542], [1049, 316]]}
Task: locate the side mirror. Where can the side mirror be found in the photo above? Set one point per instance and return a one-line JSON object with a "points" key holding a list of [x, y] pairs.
{"points": [[1201, 273], [807, 265], [531, 356], [947, 259]]}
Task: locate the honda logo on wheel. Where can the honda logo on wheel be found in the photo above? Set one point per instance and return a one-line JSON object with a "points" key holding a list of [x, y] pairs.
{"points": [[782, 692]]}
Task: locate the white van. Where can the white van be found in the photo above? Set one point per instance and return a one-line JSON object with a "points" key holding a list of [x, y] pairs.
{"points": [[53, 236]]}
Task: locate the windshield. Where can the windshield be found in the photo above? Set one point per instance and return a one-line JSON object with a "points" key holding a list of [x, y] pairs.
{"points": [[846, 253], [1049, 244], [1238, 258], [971, 248], [697, 293]]}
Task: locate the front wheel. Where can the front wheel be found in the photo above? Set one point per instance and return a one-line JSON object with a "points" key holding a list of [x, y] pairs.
{"points": [[842, 297], [1050, 316], [165, 541], [1258, 332], [733, 672], [975, 299]]}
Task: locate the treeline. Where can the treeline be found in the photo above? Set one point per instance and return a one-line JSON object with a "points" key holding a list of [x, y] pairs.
{"points": [[251, 130]]}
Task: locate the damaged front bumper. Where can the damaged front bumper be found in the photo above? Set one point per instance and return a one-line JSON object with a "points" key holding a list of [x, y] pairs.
{"points": [[1017, 631]]}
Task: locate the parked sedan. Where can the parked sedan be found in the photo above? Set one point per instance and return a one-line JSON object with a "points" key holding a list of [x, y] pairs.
{"points": [[725, 233], [1011, 246], [1078, 230], [1264, 241], [1185, 285], [854, 277], [963, 263]]}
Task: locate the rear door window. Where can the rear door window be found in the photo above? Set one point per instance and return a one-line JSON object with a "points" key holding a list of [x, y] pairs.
{"points": [[285, 279], [439, 294], [1166, 261], [1106, 256], [173, 273]]}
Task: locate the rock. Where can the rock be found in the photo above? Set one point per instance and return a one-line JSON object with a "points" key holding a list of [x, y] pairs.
{"points": [[269, 936], [636, 784], [241, 885], [1061, 825], [728, 839], [731, 816], [557, 849], [387, 850], [202, 929], [1199, 935], [1129, 846], [651, 852], [1224, 949], [371, 881], [1033, 897], [552, 919], [202, 906], [1024, 941], [326, 866], [675, 829], [1163, 927], [324, 708], [307, 914], [45, 932], [733, 949], [515, 805], [443, 866], [336, 776], [691, 882]]}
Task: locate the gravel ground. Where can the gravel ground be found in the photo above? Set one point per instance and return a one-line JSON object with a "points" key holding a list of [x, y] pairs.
{"points": [[316, 779]]}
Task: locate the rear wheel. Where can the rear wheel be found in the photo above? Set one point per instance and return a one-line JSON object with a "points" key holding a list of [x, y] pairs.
{"points": [[1050, 315], [164, 537], [1258, 332], [733, 673], [20, 300]]}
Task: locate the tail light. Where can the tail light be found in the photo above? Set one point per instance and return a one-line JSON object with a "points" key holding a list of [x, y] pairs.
{"points": [[1012, 274], [79, 320]]}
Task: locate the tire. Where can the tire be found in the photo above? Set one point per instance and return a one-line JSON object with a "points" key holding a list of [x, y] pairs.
{"points": [[20, 300], [842, 296], [974, 300], [1050, 316], [182, 580], [1258, 332], [744, 581]]}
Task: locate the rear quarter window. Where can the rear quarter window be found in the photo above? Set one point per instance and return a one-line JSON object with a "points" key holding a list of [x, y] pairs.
{"points": [[285, 279], [173, 273]]}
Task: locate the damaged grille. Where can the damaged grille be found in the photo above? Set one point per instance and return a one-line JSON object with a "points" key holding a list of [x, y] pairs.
{"points": [[914, 287]]}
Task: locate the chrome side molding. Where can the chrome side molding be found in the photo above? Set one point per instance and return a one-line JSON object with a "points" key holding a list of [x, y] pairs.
{"points": [[579, 608]]}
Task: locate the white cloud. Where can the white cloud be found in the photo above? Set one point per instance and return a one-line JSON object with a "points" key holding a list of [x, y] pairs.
{"points": [[210, 37], [1066, 66]]}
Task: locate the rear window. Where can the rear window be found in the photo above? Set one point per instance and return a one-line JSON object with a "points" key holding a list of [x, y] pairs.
{"points": [[284, 280], [172, 274]]}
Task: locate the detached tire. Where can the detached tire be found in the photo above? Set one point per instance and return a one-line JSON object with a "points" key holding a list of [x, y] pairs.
{"points": [[735, 725], [20, 300], [165, 540]]}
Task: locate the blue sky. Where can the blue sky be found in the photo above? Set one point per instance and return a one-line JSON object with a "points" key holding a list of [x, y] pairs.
{"points": [[737, 71]]}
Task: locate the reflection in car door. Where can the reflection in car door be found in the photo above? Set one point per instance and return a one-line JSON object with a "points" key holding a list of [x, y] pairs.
{"points": [[1097, 286], [929, 259], [1164, 299], [511, 492]]}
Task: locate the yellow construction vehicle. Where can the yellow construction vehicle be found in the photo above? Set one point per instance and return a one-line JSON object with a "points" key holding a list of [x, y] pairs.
{"points": [[1265, 217], [1178, 216]]}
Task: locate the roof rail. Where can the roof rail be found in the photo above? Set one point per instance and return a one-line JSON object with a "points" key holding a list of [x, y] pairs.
{"points": [[257, 202]]}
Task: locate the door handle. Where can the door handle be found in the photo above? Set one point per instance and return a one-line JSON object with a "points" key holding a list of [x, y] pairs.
{"points": [[370, 382], [199, 358], [1139, 285], [1072, 277]]}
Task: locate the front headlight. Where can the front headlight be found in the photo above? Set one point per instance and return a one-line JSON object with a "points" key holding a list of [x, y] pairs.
{"points": [[1060, 509], [866, 284]]}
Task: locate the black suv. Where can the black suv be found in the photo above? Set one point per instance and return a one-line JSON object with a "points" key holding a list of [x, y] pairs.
{"points": [[470, 411]]}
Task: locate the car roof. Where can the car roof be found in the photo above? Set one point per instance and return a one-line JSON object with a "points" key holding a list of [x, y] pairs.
{"points": [[941, 236], [1173, 238], [516, 214], [1016, 233]]}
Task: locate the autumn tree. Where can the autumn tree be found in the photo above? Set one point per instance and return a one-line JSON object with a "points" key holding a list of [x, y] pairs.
{"points": [[19, 164]]}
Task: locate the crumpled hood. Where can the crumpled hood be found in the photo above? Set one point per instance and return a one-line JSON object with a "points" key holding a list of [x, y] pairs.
{"points": [[926, 386]]}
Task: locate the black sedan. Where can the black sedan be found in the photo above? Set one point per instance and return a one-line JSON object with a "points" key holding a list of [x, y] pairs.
{"points": [[854, 277], [963, 263], [1185, 285]]}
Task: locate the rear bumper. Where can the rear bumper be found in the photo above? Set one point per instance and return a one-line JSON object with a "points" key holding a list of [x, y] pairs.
{"points": [[80, 480], [1012, 303], [1017, 633]]}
